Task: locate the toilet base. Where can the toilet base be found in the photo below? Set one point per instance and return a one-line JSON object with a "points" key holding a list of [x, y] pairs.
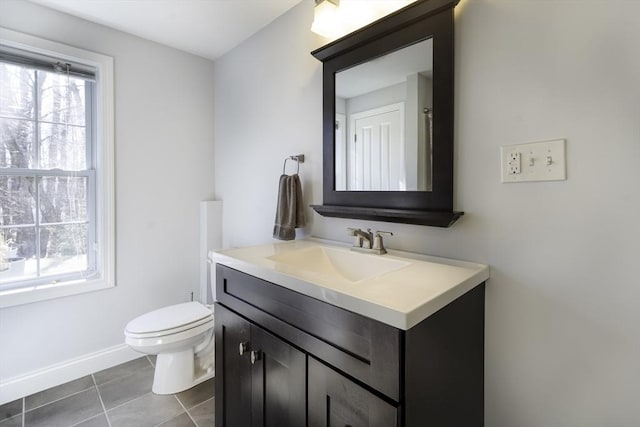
{"points": [[175, 372]]}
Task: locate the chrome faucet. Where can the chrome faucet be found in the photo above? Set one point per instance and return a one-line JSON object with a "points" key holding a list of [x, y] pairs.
{"points": [[362, 239], [367, 241]]}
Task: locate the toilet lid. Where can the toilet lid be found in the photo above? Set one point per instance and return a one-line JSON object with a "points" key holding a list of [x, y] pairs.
{"points": [[170, 317]]}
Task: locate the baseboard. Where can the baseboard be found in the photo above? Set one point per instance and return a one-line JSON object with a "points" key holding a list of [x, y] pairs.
{"points": [[60, 373]]}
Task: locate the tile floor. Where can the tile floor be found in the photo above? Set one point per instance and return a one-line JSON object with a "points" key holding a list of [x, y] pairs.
{"points": [[116, 397]]}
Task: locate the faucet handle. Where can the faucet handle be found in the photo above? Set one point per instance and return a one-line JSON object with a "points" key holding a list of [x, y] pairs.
{"points": [[378, 244], [357, 240]]}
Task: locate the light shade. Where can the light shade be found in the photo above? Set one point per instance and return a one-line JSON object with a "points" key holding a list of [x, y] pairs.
{"points": [[335, 18], [326, 19]]}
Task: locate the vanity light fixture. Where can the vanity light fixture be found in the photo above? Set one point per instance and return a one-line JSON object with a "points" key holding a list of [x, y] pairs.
{"points": [[335, 18], [326, 19]]}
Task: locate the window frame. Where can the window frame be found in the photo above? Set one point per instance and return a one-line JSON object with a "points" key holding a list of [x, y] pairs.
{"points": [[102, 129]]}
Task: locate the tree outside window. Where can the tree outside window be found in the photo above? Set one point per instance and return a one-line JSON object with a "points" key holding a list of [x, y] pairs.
{"points": [[47, 177]]}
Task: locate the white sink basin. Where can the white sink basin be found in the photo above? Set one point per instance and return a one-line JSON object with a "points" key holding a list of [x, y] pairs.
{"points": [[339, 263], [400, 289]]}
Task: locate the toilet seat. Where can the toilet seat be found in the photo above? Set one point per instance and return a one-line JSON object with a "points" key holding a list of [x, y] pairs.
{"points": [[169, 320], [171, 331]]}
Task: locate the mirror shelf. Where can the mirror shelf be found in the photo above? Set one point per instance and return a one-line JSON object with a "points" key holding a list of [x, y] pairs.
{"points": [[353, 187], [405, 216]]}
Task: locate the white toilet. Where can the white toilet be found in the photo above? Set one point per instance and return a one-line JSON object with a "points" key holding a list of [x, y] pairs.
{"points": [[182, 337]]}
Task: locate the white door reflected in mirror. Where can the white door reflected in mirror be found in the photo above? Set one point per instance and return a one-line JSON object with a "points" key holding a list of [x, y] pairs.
{"points": [[383, 122], [375, 150]]}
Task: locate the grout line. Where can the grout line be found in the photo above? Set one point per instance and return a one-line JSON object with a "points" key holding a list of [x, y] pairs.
{"points": [[104, 409], [101, 402], [200, 404], [128, 401], [86, 419], [23, 412], [186, 411], [125, 375], [203, 402], [53, 401], [175, 416]]}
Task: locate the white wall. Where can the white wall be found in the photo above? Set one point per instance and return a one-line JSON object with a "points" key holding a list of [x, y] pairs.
{"points": [[563, 301], [164, 158], [377, 98], [268, 97]]}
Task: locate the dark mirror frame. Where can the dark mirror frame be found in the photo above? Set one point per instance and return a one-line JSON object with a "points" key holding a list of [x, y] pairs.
{"points": [[419, 21]]}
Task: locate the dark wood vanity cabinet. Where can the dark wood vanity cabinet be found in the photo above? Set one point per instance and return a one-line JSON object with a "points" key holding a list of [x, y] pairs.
{"points": [[335, 400], [233, 372], [264, 377], [286, 359]]}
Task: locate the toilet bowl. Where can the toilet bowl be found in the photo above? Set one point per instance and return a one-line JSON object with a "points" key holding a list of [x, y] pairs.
{"points": [[181, 336]]}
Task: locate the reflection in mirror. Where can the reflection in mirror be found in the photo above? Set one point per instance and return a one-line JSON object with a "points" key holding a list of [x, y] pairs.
{"points": [[383, 121]]}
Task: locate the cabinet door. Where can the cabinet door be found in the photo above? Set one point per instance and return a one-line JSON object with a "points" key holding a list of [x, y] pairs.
{"points": [[279, 382], [336, 401], [233, 371], [260, 379]]}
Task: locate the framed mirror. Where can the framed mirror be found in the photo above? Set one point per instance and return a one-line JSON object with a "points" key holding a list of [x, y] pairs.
{"points": [[383, 122], [388, 119]]}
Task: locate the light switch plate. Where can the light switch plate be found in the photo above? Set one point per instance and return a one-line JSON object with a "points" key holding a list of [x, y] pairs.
{"points": [[536, 161]]}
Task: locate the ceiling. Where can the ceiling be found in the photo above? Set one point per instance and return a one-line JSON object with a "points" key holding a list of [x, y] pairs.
{"points": [[207, 28], [386, 70]]}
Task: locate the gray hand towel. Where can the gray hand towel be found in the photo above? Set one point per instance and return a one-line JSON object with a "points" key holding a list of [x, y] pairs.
{"points": [[290, 210]]}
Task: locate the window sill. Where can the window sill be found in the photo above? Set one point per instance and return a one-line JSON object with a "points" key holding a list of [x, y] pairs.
{"points": [[27, 295]]}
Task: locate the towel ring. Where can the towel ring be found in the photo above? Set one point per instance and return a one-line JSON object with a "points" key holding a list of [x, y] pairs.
{"points": [[299, 159]]}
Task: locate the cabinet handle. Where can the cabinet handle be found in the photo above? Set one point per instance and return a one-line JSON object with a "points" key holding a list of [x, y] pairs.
{"points": [[243, 347], [255, 355]]}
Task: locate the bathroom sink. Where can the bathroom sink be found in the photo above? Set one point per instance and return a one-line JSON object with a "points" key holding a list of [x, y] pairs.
{"points": [[338, 262], [400, 288]]}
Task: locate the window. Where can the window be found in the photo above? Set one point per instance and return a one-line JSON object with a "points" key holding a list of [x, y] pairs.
{"points": [[56, 192]]}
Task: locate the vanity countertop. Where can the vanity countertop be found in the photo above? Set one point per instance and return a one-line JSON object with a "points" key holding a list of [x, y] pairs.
{"points": [[400, 288]]}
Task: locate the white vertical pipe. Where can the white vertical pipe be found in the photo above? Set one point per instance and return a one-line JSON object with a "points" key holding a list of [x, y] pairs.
{"points": [[210, 240]]}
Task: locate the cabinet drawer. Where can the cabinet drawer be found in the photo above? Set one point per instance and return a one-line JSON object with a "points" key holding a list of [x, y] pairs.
{"points": [[362, 347]]}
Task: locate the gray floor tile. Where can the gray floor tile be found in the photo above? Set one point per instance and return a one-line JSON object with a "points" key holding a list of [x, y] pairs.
{"points": [[203, 413], [12, 422], [58, 392], [122, 390], [146, 411], [198, 394], [181, 420], [152, 358], [65, 412], [122, 370], [125, 390], [99, 421], [10, 409]]}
